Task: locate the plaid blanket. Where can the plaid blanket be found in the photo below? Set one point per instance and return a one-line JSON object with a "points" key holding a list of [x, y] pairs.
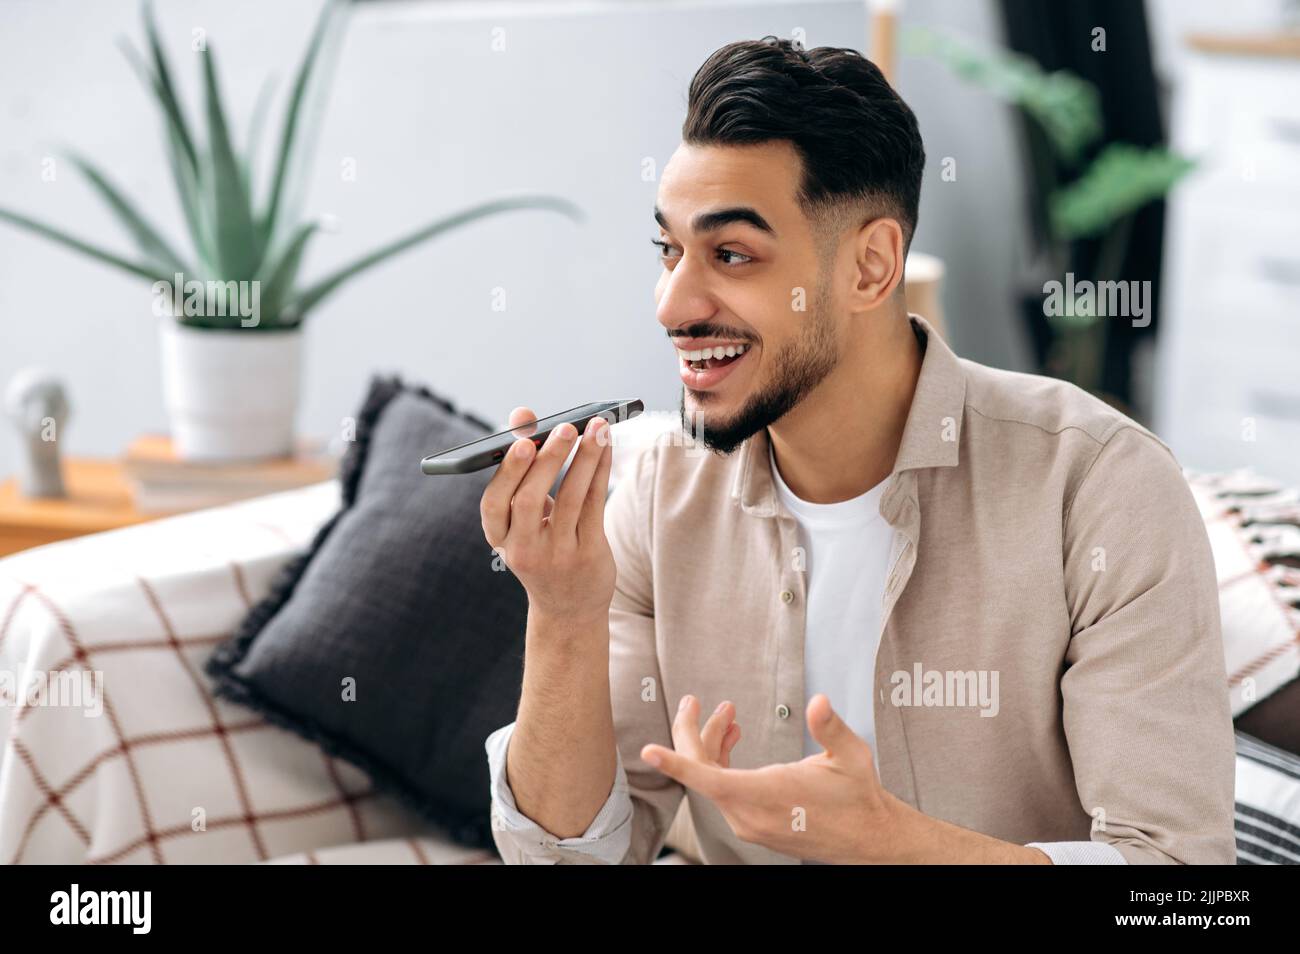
{"points": [[114, 748]]}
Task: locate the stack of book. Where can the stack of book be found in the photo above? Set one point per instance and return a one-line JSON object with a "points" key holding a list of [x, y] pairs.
{"points": [[160, 482]]}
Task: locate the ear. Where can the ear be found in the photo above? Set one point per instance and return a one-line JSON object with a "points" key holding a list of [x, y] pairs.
{"points": [[878, 258]]}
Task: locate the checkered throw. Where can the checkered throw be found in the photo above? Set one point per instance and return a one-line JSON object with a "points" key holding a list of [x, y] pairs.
{"points": [[123, 755]]}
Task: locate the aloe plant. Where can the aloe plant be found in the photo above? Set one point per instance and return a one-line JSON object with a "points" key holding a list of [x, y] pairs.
{"points": [[233, 237]]}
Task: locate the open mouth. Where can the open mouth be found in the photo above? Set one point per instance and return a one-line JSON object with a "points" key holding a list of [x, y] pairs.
{"points": [[708, 358], [702, 368]]}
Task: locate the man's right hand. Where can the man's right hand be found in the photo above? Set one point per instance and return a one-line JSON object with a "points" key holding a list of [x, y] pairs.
{"points": [[556, 547]]}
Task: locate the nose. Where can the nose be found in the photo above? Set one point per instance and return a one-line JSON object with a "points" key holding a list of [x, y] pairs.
{"points": [[682, 296]]}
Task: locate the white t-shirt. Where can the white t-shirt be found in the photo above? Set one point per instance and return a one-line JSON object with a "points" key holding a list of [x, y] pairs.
{"points": [[846, 548]]}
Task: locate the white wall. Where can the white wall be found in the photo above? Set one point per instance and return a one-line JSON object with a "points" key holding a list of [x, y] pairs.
{"points": [[435, 120]]}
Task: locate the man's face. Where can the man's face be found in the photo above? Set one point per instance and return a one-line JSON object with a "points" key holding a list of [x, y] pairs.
{"points": [[741, 273]]}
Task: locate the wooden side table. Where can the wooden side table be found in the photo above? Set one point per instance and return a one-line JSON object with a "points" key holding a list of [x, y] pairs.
{"points": [[98, 499]]}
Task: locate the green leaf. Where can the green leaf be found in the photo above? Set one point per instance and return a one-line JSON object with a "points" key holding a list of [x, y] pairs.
{"points": [[307, 299], [278, 284], [190, 192], [167, 90], [1121, 180], [67, 240], [290, 128], [155, 248], [238, 244], [1066, 106], [254, 137], [185, 170]]}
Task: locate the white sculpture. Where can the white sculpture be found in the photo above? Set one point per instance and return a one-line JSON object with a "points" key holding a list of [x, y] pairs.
{"points": [[37, 404]]}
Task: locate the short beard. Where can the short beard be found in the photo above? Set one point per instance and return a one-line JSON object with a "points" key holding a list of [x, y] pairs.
{"points": [[800, 368]]}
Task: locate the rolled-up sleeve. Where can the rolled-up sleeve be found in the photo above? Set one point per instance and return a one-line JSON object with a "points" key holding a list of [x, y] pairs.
{"points": [[1145, 691], [522, 841]]}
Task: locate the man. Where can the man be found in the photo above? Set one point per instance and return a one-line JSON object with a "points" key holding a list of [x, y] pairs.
{"points": [[990, 594]]}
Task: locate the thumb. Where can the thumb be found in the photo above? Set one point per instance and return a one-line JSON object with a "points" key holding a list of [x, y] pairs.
{"points": [[520, 416], [831, 732]]}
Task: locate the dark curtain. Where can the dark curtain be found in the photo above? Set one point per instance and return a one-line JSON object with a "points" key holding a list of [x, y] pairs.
{"points": [[1059, 35]]}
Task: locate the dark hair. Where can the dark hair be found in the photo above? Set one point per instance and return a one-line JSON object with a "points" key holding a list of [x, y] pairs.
{"points": [[859, 142]]}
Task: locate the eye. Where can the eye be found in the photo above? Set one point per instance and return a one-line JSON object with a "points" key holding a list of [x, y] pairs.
{"points": [[664, 248], [723, 252], [668, 251]]}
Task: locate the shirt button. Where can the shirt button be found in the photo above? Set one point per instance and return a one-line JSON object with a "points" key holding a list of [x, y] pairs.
{"points": [[783, 711], [787, 596]]}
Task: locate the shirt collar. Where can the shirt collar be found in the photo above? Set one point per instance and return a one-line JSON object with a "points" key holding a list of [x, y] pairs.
{"points": [[931, 436]]}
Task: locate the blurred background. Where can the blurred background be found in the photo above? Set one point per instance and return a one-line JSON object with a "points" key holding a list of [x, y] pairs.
{"points": [[1091, 141]]}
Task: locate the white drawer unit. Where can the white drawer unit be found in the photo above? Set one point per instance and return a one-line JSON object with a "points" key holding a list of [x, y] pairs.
{"points": [[1228, 359]]}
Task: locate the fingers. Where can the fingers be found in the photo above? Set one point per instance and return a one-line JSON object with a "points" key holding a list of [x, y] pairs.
{"points": [[697, 760], [570, 500], [831, 732], [692, 773], [528, 505], [706, 744], [523, 421], [592, 519], [686, 728], [520, 415], [729, 741], [494, 508], [720, 720]]}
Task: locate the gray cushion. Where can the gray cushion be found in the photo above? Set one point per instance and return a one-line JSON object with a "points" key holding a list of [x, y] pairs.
{"points": [[398, 592]]}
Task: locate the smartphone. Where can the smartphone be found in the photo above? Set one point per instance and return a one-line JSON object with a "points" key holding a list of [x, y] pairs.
{"points": [[488, 451]]}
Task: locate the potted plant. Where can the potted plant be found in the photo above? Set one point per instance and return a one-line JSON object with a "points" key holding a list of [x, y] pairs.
{"points": [[1096, 199], [232, 309]]}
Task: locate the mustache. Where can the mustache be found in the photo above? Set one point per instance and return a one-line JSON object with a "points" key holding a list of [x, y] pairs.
{"points": [[704, 330]]}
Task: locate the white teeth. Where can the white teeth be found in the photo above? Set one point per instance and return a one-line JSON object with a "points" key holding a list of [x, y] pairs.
{"points": [[722, 351]]}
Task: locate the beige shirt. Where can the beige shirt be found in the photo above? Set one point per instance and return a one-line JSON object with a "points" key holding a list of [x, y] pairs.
{"points": [[1050, 666]]}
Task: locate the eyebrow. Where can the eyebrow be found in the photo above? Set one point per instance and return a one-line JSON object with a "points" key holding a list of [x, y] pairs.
{"points": [[716, 219]]}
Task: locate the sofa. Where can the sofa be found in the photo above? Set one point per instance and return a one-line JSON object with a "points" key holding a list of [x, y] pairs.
{"points": [[154, 768]]}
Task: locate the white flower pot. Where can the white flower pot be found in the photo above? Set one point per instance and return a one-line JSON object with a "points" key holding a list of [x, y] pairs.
{"points": [[230, 395]]}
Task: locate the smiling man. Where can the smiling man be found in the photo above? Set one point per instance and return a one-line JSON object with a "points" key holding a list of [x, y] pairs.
{"points": [[989, 595]]}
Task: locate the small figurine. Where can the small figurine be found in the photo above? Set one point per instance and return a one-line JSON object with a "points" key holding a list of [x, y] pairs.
{"points": [[37, 404]]}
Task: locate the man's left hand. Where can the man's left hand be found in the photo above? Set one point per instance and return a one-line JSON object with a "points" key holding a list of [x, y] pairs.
{"points": [[828, 807]]}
